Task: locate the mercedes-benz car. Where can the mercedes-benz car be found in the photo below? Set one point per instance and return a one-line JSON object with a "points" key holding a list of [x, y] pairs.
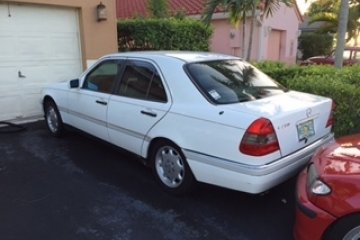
{"points": [[194, 117]]}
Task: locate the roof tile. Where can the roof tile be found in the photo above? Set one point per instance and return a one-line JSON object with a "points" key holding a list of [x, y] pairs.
{"points": [[135, 8]]}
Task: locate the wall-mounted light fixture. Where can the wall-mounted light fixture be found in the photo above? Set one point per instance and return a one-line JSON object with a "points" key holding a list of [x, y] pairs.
{"points": [[101, 12]]}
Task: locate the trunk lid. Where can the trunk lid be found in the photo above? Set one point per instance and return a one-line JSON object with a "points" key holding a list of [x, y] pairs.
{"points": [[298, 118]]}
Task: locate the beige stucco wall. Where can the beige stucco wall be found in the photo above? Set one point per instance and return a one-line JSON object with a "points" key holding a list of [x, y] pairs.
{"points": [[97, 38]]}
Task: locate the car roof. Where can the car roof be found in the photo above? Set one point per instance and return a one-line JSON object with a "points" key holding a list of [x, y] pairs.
{"points": [[186, 56]]}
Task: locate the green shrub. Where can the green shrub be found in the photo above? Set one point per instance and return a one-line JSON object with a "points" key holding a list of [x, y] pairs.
{"points": [[343, 86], [313, 44], [279, 71], [345, 95], [163, 34]]}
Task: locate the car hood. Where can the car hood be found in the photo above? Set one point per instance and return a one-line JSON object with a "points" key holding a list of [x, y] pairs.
{"points": [[341, 157]]}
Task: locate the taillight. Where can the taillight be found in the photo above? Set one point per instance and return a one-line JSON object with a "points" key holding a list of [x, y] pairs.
{"points": [[259, 139], [331, 119]]}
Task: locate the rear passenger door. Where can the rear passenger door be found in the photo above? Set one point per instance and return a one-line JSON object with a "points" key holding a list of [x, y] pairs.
{"points": [[88, 104], [138, 103]]}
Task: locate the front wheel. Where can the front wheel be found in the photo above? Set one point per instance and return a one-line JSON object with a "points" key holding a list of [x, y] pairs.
{"points": [[171, 169], [53, 119], [347, 228]]}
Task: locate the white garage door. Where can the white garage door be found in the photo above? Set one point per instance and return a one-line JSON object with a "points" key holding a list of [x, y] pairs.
{"points": [[38, 45]]}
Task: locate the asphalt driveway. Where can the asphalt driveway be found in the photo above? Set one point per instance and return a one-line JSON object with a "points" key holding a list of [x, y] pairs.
{"points": [[77, 187]]}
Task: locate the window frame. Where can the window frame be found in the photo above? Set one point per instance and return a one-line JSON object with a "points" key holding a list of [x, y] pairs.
{"points": [[96, 66], [206, 95], [130, 62]]}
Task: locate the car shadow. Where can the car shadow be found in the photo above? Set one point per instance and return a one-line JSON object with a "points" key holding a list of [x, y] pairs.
{"points": [[261, 216]]}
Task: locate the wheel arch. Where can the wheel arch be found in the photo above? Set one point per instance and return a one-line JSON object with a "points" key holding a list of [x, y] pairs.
{"points": [[47, 98], [328, 232], [153, 143]]}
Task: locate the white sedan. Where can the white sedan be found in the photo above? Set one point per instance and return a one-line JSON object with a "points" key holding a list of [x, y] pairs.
{"points": [[194, 117]]}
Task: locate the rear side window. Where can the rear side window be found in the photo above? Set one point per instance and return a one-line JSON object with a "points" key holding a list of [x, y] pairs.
{"points": [[232, 81], [141, 81]]}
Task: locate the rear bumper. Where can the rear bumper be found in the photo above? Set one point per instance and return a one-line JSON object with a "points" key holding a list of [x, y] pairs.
{"points": [[311, 222], [250, 178]]}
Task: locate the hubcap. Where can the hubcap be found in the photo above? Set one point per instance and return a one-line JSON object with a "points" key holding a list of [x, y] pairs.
{"points": [[52, 119], [169, 166], [353, 234]]}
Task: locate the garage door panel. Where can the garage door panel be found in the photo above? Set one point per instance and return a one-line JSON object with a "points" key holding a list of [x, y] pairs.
{"points": [[32, 105], [41, 42], [63, 47], [9, 85], [63, 72], [46, 20], [33, 47], [274, 45], [10, 107], [35, 74], [8, 47]]}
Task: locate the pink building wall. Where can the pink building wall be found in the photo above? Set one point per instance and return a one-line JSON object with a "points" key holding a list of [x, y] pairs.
{"points": [[286, 20], [282, 26]]}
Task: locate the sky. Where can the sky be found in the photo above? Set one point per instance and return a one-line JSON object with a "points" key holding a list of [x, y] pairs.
{"points": [[303, 5]]}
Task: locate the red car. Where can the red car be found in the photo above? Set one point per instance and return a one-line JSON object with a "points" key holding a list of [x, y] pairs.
{"points": [[328, 193], [351, 57]]}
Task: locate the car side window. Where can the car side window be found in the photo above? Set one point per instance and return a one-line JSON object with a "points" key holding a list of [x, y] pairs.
{"points": [[141, 81], [103, 77]]}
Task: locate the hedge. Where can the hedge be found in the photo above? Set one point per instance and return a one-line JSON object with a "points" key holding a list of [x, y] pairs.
{"points": [[163, 34], [343, 86]]}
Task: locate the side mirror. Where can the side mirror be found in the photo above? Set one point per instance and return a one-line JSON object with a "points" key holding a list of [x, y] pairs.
{"points": [[74, 83]]}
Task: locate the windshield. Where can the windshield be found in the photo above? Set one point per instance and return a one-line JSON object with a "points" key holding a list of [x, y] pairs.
{"points": [[232, 81]]}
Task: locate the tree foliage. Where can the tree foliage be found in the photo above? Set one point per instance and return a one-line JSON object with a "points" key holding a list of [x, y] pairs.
{"points": [[327, 12], [314, 44], [158, 8]]}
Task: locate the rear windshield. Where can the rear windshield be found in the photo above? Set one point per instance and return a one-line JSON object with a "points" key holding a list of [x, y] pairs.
{"points": [[232, 81]]}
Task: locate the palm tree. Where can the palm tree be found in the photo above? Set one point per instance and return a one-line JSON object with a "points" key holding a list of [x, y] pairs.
{"points": [[340, 44], [238, 10], [328, 13]]}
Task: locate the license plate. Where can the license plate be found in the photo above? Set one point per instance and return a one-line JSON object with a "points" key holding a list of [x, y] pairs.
{"points": [[306, 129]]}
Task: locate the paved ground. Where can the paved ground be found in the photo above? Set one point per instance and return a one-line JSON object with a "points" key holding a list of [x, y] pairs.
{"points": [[78, 188]]}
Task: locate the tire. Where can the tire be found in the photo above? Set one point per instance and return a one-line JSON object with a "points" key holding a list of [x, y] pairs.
{"points": [[347, 228], [53, 119], [171, 169]]}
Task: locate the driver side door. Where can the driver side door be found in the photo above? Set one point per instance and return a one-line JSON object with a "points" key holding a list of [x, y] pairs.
{"points": [[88, 104]]}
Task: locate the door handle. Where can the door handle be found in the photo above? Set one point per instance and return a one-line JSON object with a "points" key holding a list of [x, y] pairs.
{"points": [[20, 75], [151, 114], [101, 102]]}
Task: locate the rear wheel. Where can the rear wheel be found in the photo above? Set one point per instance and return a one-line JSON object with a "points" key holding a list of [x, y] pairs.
{"points": [[53, 119], [170, 168], [347, 228]]}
